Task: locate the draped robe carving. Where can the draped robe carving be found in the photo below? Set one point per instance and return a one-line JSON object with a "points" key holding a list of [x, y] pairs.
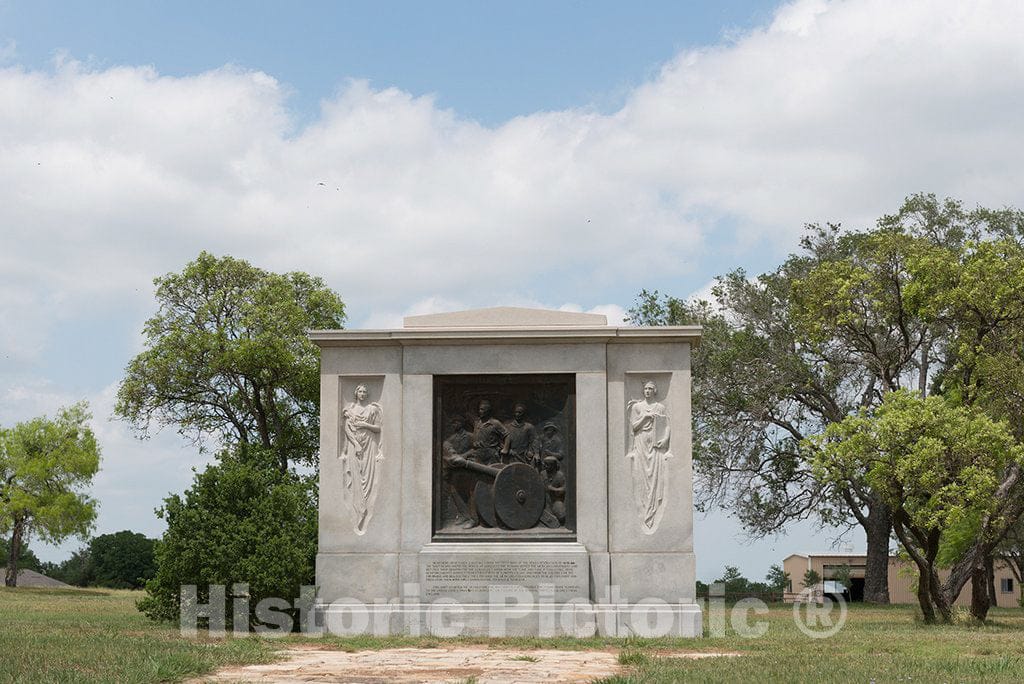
{"points": [[360, 457], [649, 426]]}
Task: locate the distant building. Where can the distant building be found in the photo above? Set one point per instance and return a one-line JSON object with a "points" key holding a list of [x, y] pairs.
{"points": [[902, 578]]}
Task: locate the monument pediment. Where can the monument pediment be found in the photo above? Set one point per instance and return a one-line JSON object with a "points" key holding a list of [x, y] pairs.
{"points": [[506, 317]]}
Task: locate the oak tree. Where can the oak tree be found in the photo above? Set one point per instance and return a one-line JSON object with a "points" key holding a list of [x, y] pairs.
{"points": [[45, 466], [793, 351], [226, 357], [122, 560], [937, 466]]}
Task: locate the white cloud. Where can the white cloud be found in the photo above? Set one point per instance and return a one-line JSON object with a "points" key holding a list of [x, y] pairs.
{"points": [[25, 400], [798, 18], [704, 292], [615, 314], [835, 111], [385, 320]]}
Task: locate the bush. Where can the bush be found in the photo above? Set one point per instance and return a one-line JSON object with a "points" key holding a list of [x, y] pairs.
{"points": [[737, 587], [77, 570], [811, 579], [241, 521], [123, 560]]}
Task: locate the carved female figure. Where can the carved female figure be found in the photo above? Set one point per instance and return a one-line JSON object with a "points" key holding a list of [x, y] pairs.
{"points": [[648, 423], [362, 451]]}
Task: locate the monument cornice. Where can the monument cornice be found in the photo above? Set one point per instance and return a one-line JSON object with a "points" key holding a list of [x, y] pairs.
{"points": [[506, 335]]}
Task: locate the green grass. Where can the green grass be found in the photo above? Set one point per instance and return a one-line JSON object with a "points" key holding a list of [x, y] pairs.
{"points": [[525, 658], [98, 636], [77, 635], [878, 644]]}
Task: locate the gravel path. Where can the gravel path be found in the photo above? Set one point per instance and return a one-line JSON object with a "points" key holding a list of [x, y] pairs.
{"points": [[408, 665]]}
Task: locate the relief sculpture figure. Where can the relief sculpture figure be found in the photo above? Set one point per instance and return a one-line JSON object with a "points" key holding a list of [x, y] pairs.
{"points": [[648, 423], [361, 454], [490, 476], [554, 484], [520, 439], [459, 482], [488, 435], [550, 442]]}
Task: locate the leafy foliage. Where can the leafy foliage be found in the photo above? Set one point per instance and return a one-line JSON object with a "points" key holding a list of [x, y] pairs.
{"points": [[737, 586], [227, 357], [843, 575], [76, 570], [241, 521], [852, 316], [122, 560], [977, 291], [27, 559], [777, 579], [45, 464], [938, 466], [733, 580]]}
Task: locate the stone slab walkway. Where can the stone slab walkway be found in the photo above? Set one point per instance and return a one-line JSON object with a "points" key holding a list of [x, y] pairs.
{"points": [[407, 665], [433, 665]]}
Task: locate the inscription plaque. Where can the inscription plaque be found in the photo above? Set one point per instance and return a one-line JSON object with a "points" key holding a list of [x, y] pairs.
{"points": [[470, 575]]}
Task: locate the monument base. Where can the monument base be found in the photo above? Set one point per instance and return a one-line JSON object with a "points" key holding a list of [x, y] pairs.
{"points": [[510, 589], [449, 619]]}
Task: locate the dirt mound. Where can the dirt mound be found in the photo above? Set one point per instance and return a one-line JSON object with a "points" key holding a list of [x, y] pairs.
{"points": [[31, 578]]}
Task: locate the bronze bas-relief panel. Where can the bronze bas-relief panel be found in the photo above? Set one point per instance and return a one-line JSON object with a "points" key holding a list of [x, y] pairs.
{"points": [[504, 457]]}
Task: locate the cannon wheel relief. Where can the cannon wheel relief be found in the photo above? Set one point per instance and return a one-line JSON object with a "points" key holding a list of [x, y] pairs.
{"points": [[503, 455]]}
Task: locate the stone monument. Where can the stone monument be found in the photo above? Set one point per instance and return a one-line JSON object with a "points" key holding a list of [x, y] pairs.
{"points": [[506, 471]]}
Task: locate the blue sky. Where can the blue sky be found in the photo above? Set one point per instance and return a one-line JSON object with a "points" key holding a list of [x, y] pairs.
{"points": [[487, 61], [434, 156]]}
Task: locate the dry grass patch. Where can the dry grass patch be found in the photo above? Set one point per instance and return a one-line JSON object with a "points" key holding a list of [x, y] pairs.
{"points": [[73, 635]]}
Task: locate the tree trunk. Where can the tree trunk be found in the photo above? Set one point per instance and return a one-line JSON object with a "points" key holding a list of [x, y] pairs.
{"points": [[924, 596], [942, 603], [922, 378], [14, 554], [979, 592], [990, 575], [925, 593], [876, 571], [1016, 564]]}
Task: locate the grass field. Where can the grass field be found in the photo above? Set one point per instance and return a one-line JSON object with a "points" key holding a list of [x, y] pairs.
{"points": [[98, 636], [80, 635]]}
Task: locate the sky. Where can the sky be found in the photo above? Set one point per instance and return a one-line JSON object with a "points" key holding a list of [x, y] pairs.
{"points": [[425, 157]]}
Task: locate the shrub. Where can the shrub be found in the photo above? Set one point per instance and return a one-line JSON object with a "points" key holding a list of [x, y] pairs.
{"points": [[242, 521], [123, 560]]}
